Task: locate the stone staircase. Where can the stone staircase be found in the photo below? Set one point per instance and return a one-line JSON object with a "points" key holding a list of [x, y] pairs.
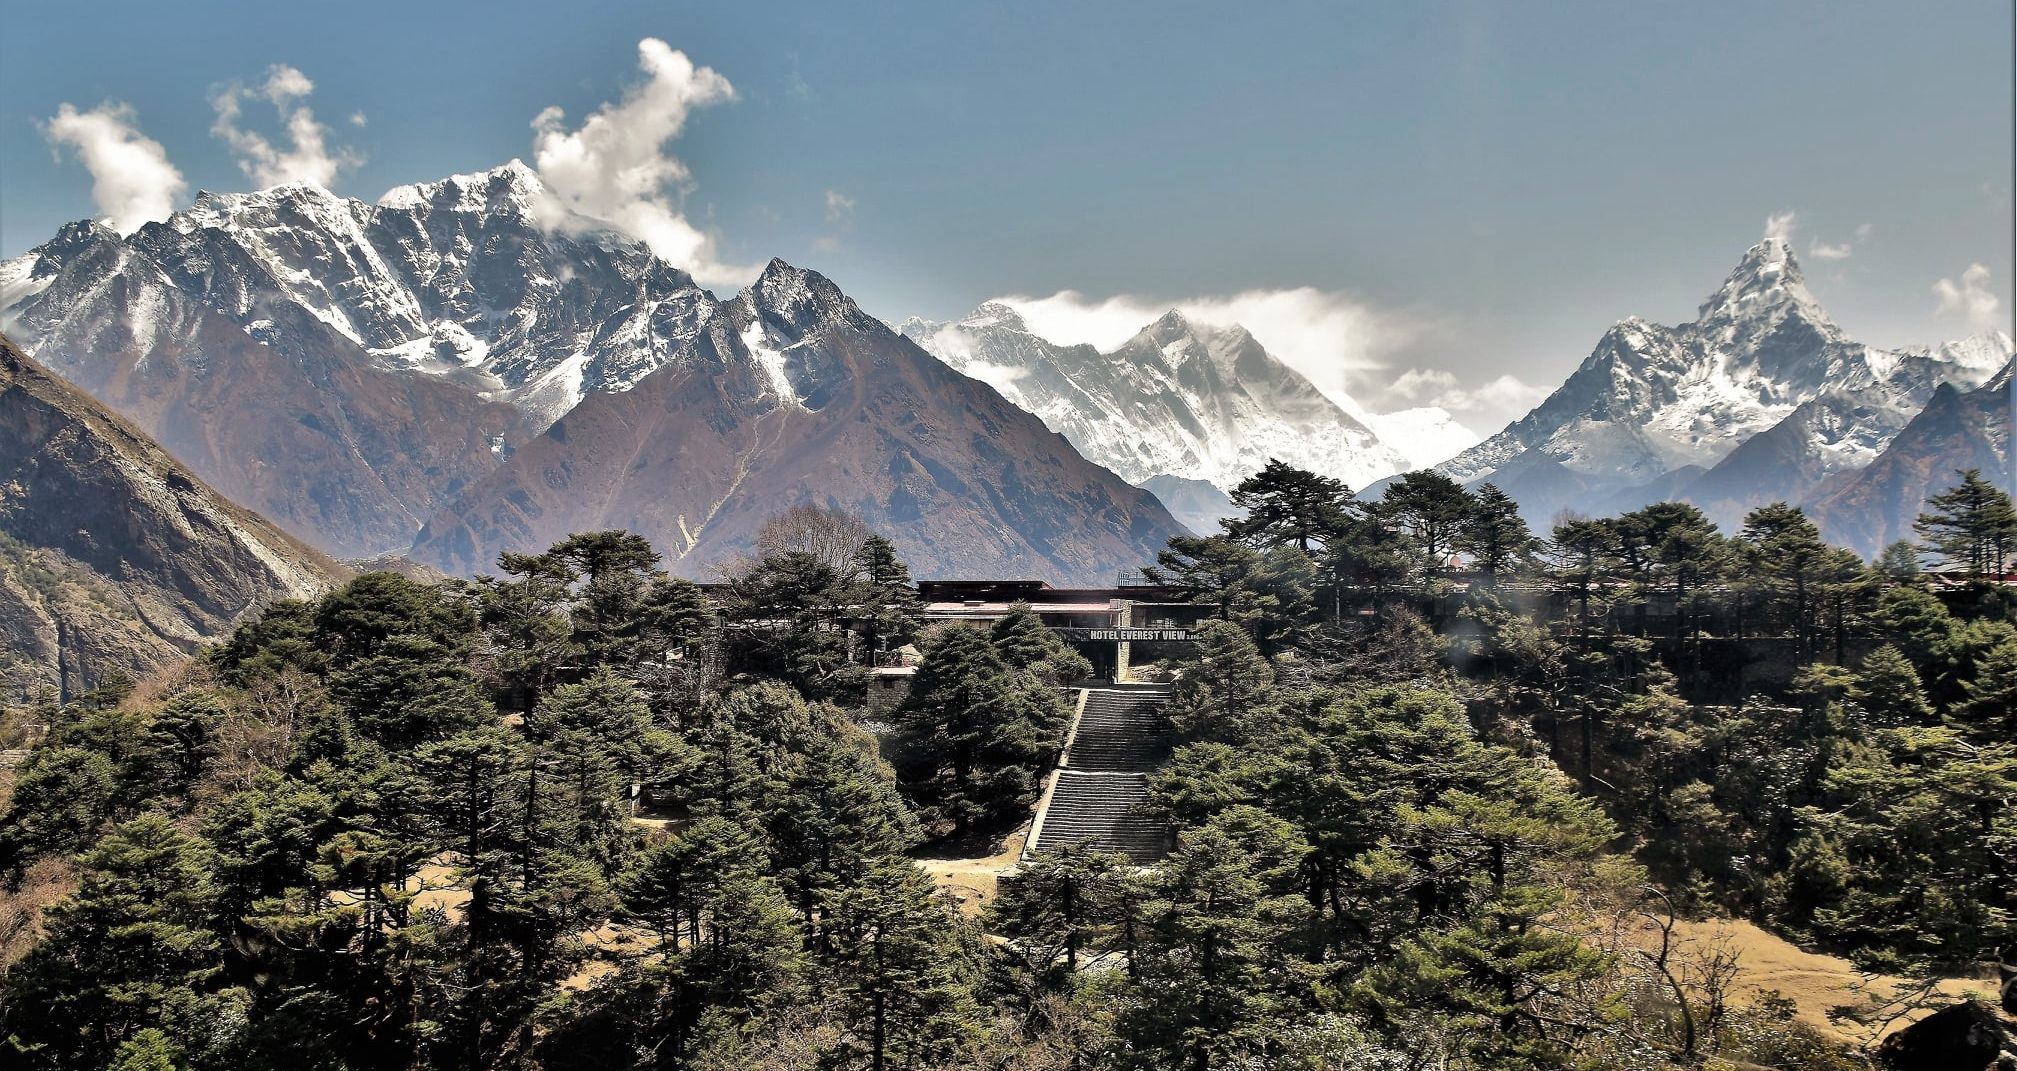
{"points": [[1119, 737], [1122, 730]]}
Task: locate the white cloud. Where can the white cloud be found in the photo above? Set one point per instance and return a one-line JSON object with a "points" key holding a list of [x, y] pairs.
{"points": [[1435, 387], [1970, 299], [1426, 436], [615, 168], [1780, 225], [1820, 250], [132, 181], [357, 119], [839, 216], [308, 158]]}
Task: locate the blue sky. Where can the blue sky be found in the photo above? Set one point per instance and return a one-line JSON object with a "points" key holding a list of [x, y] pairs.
{"points": [[1469, 190]]}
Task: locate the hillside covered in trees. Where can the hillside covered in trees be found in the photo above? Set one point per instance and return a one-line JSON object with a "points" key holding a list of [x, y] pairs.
{"points": [[1435, 772]]}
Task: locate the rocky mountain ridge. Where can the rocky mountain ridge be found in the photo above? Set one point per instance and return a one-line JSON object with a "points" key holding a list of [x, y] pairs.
{"points": [[114, 558], [358, 370], [791, 394]]}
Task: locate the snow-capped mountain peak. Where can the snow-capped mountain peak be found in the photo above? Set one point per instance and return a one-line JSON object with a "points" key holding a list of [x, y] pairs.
{"points": [[511, 187], [1762, 355], [996, 314], [482, 278], [1180, 398], [1766, 293]]}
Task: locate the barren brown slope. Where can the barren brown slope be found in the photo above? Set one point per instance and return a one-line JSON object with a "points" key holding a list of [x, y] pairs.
{"points": [[793, 395], [1876, 506], [113, 556]]}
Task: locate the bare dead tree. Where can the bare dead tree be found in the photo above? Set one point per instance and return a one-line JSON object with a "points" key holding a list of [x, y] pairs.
{"points": [[831, 535]]}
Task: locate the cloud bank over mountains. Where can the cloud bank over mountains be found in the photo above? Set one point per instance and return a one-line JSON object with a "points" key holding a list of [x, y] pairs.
{"points": [[617, 167], [132, 182], [1347, 346]]}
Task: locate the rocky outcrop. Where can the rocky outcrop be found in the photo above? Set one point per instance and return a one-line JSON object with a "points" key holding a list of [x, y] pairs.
{"points": [[1974, 1035]]}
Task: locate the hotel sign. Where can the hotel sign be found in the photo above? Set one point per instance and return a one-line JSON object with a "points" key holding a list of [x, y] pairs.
{"points": [[1123, 635]]}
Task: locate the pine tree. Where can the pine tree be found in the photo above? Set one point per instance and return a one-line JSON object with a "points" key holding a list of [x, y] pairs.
{"points": [[899, 968], [1432, 510], [1989, 706], [1677, 549], [1285, 505], [409, 690], [129, 948], [182, 738], [610, 573], [1784, 552], [1971, 525], [1494, 534], [834, 818], [1899, 562], [887, 610], [676, 620], [1058, 906], [62, 797], [1584, 549], [1887, 690], [979, 735], [1208, 977], [1220, 690]]}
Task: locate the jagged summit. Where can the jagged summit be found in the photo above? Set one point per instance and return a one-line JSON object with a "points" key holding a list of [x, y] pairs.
{"points": [[509, 187], [1762, 355], [1169, 326], [797, 299], [791, 394], [995, 314], [1765, 290]]}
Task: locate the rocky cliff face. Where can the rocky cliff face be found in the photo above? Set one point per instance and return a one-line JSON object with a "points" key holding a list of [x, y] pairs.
{"points": [[113, 556], [791, 394]]}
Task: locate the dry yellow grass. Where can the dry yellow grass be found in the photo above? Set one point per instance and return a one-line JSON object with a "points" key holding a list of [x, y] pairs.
{"points": [[1815, 983], [973, 881]]}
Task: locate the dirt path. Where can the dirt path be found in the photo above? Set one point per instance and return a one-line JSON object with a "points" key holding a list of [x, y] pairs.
{"points": [[973, 881]]}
